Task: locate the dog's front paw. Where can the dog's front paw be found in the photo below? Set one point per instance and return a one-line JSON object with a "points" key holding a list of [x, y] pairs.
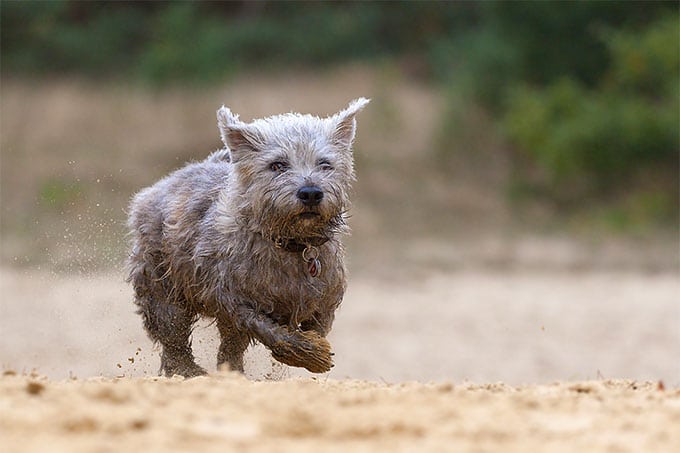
{"points": [[305, 349]]}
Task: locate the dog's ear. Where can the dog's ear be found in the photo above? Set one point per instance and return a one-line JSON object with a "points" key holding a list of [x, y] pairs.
{"points": [[345, 124], [238, 136]]}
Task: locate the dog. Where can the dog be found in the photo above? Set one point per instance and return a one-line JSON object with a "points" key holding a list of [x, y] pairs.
{"points": [[250, 236]]}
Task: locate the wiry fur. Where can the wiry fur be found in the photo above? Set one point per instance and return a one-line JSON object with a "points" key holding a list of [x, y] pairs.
{"points": [[203, 242]]}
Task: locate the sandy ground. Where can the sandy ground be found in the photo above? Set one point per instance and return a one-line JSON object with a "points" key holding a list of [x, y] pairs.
{"points": [[226, 412], [420, 307], [476, 325], [589, 362]]}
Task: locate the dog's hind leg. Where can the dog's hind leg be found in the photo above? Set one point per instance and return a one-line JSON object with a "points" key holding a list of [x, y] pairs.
{"points": [[170, 325], [233, 345], [167, 321]]}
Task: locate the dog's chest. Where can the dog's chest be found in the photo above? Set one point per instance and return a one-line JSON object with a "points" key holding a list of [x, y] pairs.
{"points": [[285, 284]]}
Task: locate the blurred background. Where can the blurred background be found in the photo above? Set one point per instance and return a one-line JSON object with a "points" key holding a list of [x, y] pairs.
{"points": [[518, 163]]}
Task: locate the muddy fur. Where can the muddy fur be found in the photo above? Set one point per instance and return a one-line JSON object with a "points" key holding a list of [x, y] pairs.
{"points": [[207, 241]]}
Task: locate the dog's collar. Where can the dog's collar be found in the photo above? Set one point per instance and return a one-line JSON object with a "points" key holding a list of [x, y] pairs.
{"points": [[295, 245], [308, 248]]}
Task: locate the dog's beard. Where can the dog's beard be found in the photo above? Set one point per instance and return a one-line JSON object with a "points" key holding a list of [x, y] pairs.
{"points": [[301, 222]]}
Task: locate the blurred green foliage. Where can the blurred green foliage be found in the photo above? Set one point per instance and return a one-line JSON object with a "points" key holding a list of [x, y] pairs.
{"points": [[586, 93], [619, 135], [203, 41], [587, 96]]}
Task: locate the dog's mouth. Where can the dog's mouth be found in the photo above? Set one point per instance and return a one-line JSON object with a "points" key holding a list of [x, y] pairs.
{"points": [[309, 215]]}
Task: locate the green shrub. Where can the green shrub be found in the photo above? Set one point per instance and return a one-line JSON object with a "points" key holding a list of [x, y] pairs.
{"points": [[184, 41], [646, 63], [481, 63], [607, 139]]}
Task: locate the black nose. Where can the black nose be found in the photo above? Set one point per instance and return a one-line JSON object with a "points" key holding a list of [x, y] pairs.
{"points": [[310, 195]]}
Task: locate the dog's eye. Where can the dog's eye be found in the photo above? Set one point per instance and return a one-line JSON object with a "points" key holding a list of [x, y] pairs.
{"points": [[325, 165], [278, 167]]}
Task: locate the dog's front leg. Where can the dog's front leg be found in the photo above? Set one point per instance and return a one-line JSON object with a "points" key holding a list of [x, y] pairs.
{"points": [[305, 349]]}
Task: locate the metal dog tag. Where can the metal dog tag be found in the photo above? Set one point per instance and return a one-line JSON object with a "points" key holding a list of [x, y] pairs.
{"points": [[314, 267], [311, 256]]}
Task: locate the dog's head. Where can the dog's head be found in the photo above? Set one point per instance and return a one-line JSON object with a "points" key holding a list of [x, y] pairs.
{"points": [[294, 171]]}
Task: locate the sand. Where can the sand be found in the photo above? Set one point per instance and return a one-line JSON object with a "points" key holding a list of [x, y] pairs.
{"points": [[466, 360], [227, 412], [431, 298], [475, 325]]}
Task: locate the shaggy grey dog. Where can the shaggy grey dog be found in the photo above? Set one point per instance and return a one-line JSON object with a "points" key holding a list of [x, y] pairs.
{"points": [[250, 237]]}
